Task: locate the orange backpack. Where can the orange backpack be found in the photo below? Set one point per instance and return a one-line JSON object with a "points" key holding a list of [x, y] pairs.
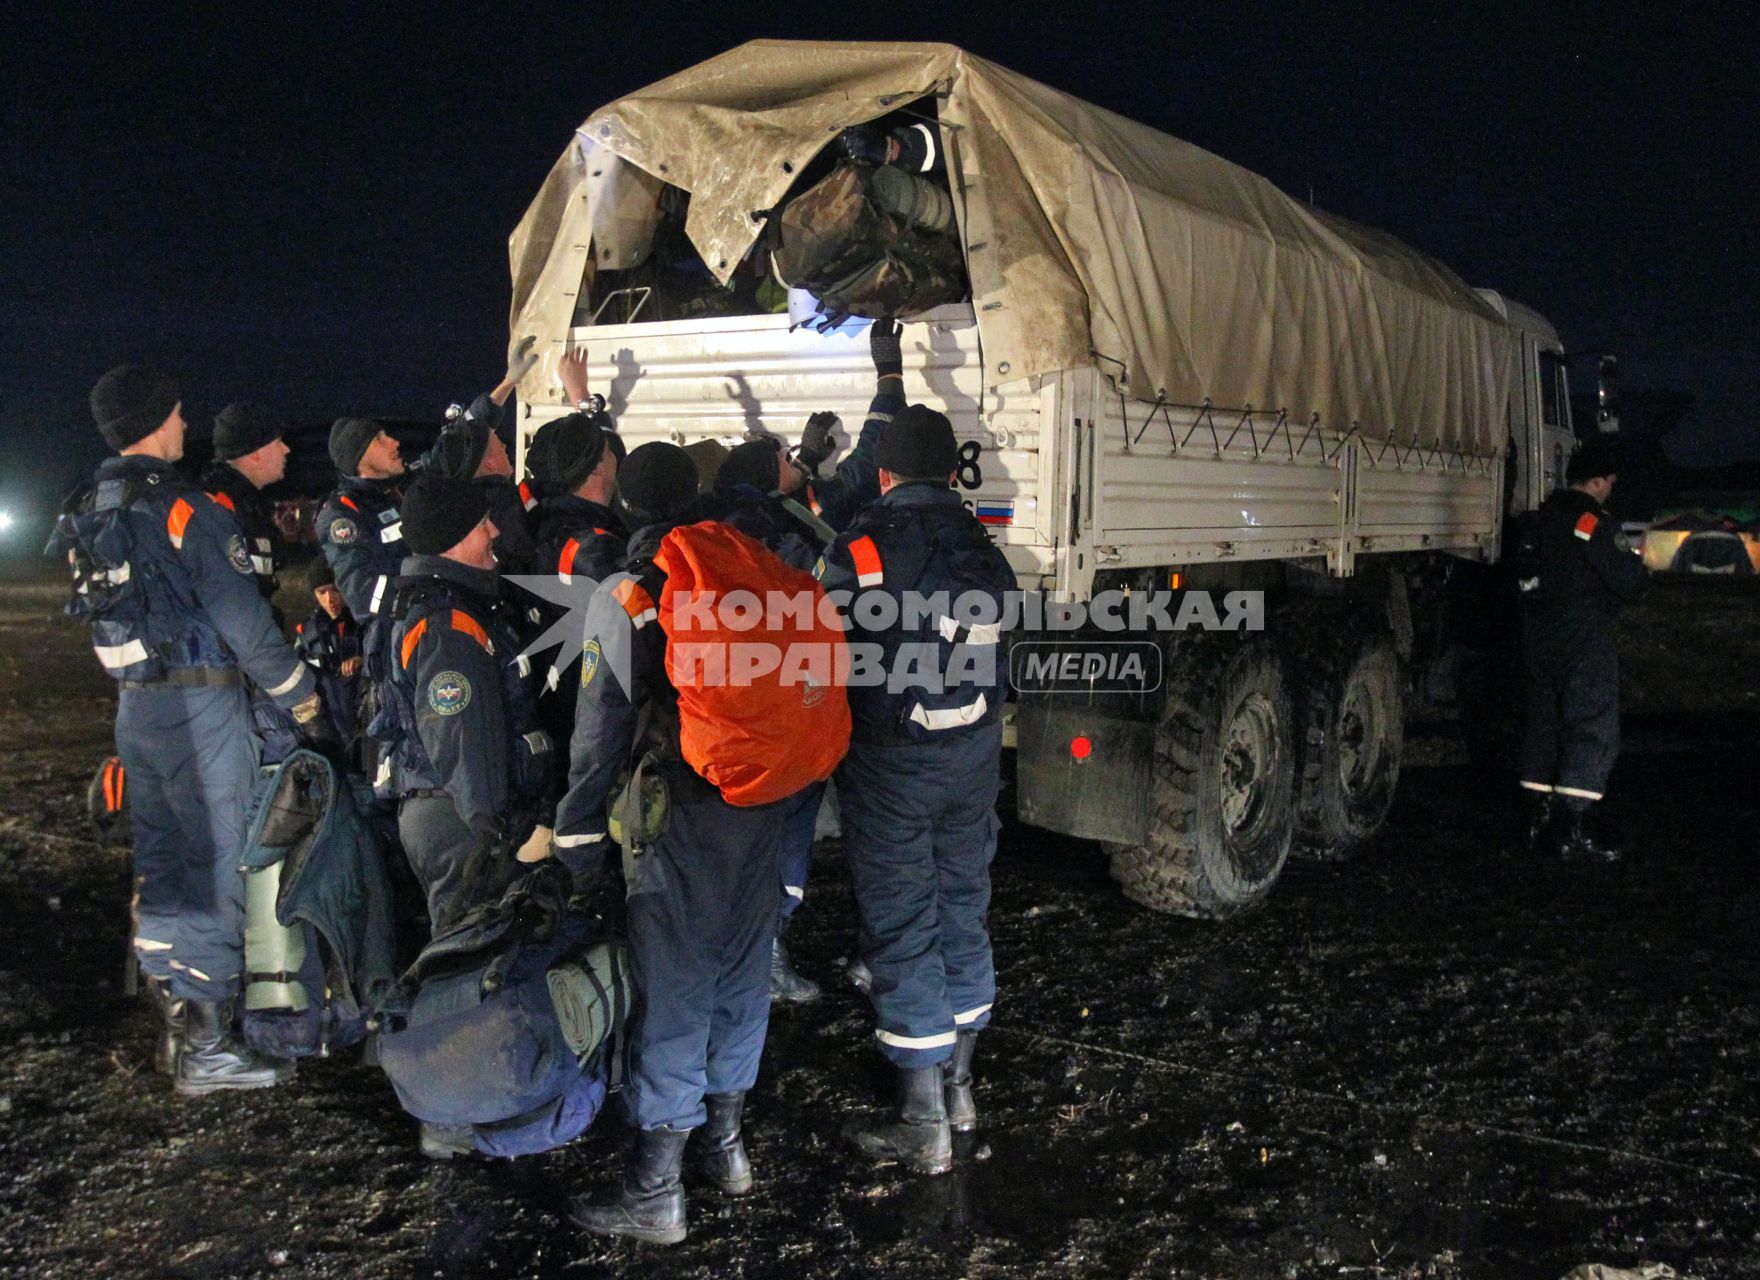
{"points": [[762, 711]]}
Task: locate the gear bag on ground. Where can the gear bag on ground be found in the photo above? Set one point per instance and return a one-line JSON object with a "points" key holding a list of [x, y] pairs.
{"points": [[318, 922], [509, 1021]]}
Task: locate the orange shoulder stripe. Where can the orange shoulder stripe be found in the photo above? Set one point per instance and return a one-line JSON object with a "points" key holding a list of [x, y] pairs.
{"points": [[224, 501], [412, 638], [633, 597], [565, 561], [177, 521], [348, 502], [462, 621], [866, 558]]}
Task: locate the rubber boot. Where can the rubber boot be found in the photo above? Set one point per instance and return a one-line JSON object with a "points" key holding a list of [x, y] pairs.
{"points": [[724, 1161], [648, 1204], [444, 1141], [1578, 844], [786, 985], [213, 1060], [1542, 820], [171, 1013], [918, 1137], [956, 1079]]}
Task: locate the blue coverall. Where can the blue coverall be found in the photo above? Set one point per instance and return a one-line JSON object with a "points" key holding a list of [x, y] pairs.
{"points": [[472, 772], [918, 787], [701, 898], [183, 725]]}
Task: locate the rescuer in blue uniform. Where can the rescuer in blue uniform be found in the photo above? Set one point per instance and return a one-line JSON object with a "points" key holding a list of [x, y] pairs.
{"points": [[166, 578], [330, 642], [360, 528], [1574, 571], [360, 525], [702, 903], [250, 455], [470, 764], [918, 787], [573, 464], [758, 490]]}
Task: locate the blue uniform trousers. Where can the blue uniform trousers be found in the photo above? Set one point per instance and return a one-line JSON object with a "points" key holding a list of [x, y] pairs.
{"points": [[1571, 738], [192, 763], [919, 825], [702, 917], [442, 849], [797, 845]]}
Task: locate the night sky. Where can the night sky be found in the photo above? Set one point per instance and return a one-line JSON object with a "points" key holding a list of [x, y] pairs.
{"points": [[310, 205]]}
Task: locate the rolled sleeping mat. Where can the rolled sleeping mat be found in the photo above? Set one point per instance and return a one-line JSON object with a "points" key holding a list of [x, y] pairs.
{"points": [[273, 952]]}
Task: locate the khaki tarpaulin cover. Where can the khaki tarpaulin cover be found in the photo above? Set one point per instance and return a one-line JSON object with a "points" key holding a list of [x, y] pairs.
{"points": [[1090, 239]]}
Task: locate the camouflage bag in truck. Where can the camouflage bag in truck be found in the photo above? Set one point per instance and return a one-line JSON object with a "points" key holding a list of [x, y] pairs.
{"points": [[875, 242]]}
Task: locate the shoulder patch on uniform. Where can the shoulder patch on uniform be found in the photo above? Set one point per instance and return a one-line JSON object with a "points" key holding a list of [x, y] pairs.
{"points": [[1586, 525], [343, 530], [449, 693], [590, 656], [238, 554]]}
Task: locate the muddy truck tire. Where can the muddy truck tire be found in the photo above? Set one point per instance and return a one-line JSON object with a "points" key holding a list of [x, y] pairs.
{"points": [[1351, 735], [1223, 807]]}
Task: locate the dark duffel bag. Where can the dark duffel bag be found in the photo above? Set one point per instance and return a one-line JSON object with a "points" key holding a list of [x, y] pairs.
{"points": [[863, 242], [511, 1022]]}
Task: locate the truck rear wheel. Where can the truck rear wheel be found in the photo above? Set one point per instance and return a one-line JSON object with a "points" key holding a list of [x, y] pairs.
{"points": [[1353, 736], [1223, 809]]}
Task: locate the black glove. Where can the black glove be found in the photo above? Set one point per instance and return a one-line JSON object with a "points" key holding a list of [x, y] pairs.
{"points": [[883, 343], [817, 442], [862, 144], [598, 891], [314, 727]]}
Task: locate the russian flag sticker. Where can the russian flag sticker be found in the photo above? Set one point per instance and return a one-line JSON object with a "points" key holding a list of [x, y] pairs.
{"points": [[995, 511]]}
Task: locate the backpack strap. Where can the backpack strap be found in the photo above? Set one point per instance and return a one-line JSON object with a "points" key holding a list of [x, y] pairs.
{"points": [[822, 532]]}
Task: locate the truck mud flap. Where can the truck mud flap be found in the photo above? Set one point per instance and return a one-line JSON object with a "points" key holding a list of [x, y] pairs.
{"points": [[1083, 771]]}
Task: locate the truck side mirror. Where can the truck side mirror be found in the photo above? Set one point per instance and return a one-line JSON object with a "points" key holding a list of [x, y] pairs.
{"points": [[1607, 394]]}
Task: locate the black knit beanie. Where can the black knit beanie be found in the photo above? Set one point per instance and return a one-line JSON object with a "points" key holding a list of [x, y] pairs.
{"points": [[439, 512], [656, 484], [1594, 458], [319, 574], [752, 464], [349, 438], [245, 427], [565, 451], [918, 443], [130, 403]]}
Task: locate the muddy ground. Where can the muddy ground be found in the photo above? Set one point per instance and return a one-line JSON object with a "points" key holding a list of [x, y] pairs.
{"points": [[1444, 1060]]}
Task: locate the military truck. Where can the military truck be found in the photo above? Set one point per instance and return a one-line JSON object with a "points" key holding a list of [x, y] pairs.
{"points": [[1167, 375]]}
